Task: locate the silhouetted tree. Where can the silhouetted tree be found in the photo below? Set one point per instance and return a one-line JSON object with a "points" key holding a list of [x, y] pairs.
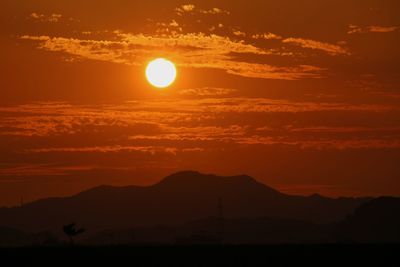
{"points": [[71, 231]]}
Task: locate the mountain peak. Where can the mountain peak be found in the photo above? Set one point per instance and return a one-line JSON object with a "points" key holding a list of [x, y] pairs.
{"points": [[186, 177], [189, 179], [182, 174]]}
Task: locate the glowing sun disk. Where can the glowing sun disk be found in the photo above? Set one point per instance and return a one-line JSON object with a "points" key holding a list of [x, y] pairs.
{"points": [[161, 72]]}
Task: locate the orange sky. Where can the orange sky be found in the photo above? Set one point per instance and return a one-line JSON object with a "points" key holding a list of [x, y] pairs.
{"points": [[302, 95]]}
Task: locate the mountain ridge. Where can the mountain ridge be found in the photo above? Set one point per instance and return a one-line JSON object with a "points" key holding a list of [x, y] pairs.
{"points": [[178, 198], [171, 179]]}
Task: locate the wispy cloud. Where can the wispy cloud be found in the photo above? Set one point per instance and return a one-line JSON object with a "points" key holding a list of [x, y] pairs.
{"points": [[331, 144], [190, 8], [46, 18], [196, 50], [115, 149], [187, 125], [331, 49], [377, 29], [206, 92], [266, 36], [214, 11], [185, 8], [44, 119], [239, 33], [40, 170]]}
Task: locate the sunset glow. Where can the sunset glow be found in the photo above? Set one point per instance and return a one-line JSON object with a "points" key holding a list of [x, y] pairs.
{"points": [[302, 95]]}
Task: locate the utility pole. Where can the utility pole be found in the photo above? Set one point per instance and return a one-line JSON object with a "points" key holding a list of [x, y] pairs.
{"points": [[220, 220]]}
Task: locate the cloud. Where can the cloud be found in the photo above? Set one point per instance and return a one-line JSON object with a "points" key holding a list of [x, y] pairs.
{"points": [[135, 126], [214, 11], [330, 144], [174, 24], [266, 36], [172, 27], [331, 49], [206, 92], [239, 33], [185, 8], [190, 8], [46, 18], [196, 133], [196, 50], [382, 29], [40, 170], [65, 140], [36, 15], [115, 149], [253, 70], [338, 130], [376, 29]]}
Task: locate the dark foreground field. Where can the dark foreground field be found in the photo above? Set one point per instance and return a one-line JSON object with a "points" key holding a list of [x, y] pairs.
{"points": [[268, 255]]}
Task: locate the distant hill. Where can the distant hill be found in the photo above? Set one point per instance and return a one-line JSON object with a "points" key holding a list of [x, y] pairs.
{"points": [[376, 221], [177, 199]]}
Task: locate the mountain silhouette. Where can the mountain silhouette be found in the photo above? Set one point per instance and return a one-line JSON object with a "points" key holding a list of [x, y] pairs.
{"points": [[373, 222], [177, 199]]}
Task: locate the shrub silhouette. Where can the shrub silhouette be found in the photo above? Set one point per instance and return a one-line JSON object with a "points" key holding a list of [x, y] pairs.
{"points": [[71, 231]]}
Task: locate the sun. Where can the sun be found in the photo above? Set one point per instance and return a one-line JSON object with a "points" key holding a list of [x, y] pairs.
{"points": [[161, 72]]}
